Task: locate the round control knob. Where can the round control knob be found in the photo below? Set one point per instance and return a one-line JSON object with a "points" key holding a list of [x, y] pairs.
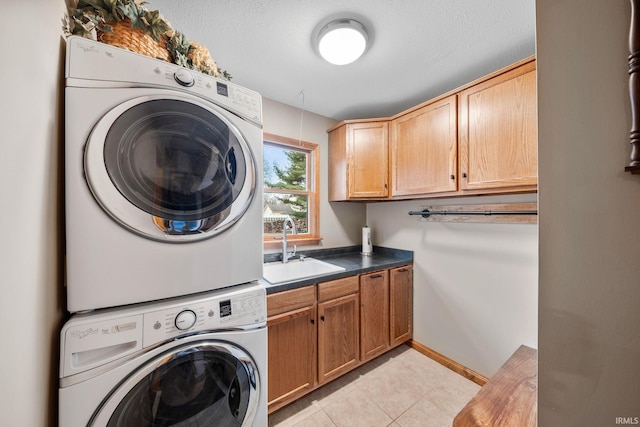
{"points": [[184, 77], [185, 320]]}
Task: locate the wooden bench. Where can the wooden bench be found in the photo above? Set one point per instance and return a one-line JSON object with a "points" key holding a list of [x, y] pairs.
{"points": [[509, 398]]}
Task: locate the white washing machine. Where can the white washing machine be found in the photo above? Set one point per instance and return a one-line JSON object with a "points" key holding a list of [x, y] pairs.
{"points": [[163, 179], [199, 360]]}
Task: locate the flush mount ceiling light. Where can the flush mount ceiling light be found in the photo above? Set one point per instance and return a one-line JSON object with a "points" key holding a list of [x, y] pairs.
{"points": [[342, 41]]}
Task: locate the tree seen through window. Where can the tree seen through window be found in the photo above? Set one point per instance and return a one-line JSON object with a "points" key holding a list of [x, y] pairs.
{"points": [[289, 180]]}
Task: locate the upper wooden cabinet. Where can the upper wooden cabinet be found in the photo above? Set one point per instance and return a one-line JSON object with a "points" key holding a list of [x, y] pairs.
{"points": [[424, 150], [358, 160], [498, 133], [481, 138]]}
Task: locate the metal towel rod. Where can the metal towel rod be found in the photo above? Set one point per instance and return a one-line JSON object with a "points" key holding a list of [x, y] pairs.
{"points": [[426, 213]]}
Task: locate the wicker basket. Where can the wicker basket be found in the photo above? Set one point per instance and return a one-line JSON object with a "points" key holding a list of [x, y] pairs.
{"points": [[135, 40]]}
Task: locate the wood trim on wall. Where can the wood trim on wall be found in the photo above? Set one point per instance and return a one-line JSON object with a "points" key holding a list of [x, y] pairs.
{"points": [[492, 213], [634, 88], [448, 363]]}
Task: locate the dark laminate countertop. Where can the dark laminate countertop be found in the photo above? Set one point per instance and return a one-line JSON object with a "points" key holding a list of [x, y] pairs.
{"points": [[349, 258]]}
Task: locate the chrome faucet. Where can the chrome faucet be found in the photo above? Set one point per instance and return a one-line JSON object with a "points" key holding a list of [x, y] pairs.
{"points": [[286, 255]]}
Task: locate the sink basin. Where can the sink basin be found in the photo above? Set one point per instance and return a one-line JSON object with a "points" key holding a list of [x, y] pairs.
{"points": [[277, 272]]}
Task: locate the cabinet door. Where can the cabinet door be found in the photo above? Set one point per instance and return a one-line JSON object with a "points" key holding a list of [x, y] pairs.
{"points": [[367, 160], [401, 305], [338, 333], [498, 133], [291, 356], [338, 164], [374, 314], [424, 150]]}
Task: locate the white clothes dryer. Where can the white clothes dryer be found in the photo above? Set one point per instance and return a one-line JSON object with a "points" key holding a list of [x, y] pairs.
{"points": [[199, 360], [163, 179]]}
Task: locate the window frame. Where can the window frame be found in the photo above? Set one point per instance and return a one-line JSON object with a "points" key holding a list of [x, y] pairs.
{"points": [[312, 237]]}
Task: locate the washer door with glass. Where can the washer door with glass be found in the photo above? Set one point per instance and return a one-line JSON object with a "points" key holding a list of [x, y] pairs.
{"points": [[205, 384], [170, 168]]}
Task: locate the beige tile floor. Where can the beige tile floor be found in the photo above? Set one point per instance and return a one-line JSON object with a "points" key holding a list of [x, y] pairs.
{"points": [[402, 388]]}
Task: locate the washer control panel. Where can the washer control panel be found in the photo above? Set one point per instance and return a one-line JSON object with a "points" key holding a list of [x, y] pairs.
{"points": [[228, 311], [89, 340], [185, 320], [88, 344]]}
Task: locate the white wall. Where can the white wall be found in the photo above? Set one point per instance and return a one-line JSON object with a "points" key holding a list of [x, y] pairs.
{"points": [[30, 212], [340, 223], [475, 285], [589, 332]]}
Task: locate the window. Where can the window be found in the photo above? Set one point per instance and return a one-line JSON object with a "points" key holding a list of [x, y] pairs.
{"points": [[291, 175]]}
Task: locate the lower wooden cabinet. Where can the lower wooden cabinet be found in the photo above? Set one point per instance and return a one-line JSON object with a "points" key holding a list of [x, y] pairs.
{"points": [[320, 332], [374, 314], [291, 344], [338, 328], [401, 305]]}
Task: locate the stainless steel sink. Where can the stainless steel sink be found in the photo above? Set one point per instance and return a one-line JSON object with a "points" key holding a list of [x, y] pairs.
{"points": [[295, 269]]}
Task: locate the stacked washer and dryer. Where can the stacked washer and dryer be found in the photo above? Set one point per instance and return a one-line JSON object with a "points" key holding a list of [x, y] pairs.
{"points": [[163, 248]]}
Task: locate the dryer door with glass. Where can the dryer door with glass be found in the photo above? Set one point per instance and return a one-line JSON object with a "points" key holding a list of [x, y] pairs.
{"points": [[207, 384], [170, 167]]}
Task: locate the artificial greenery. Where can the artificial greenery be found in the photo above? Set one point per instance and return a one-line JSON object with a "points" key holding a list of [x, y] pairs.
{"points": [[179, 47], [97, 14]]}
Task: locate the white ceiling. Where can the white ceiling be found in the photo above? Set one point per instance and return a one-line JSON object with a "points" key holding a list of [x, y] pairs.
{"points": [[418, 48]]}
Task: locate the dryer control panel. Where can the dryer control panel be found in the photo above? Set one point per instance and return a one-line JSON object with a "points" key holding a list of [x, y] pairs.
{"points": [[91, 63]]}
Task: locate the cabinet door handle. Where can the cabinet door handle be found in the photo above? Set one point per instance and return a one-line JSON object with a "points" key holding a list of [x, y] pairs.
{"points": [[403, 270], [313, 322], [453, 177], [322, 318], [376, 276], [464, 174]]}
